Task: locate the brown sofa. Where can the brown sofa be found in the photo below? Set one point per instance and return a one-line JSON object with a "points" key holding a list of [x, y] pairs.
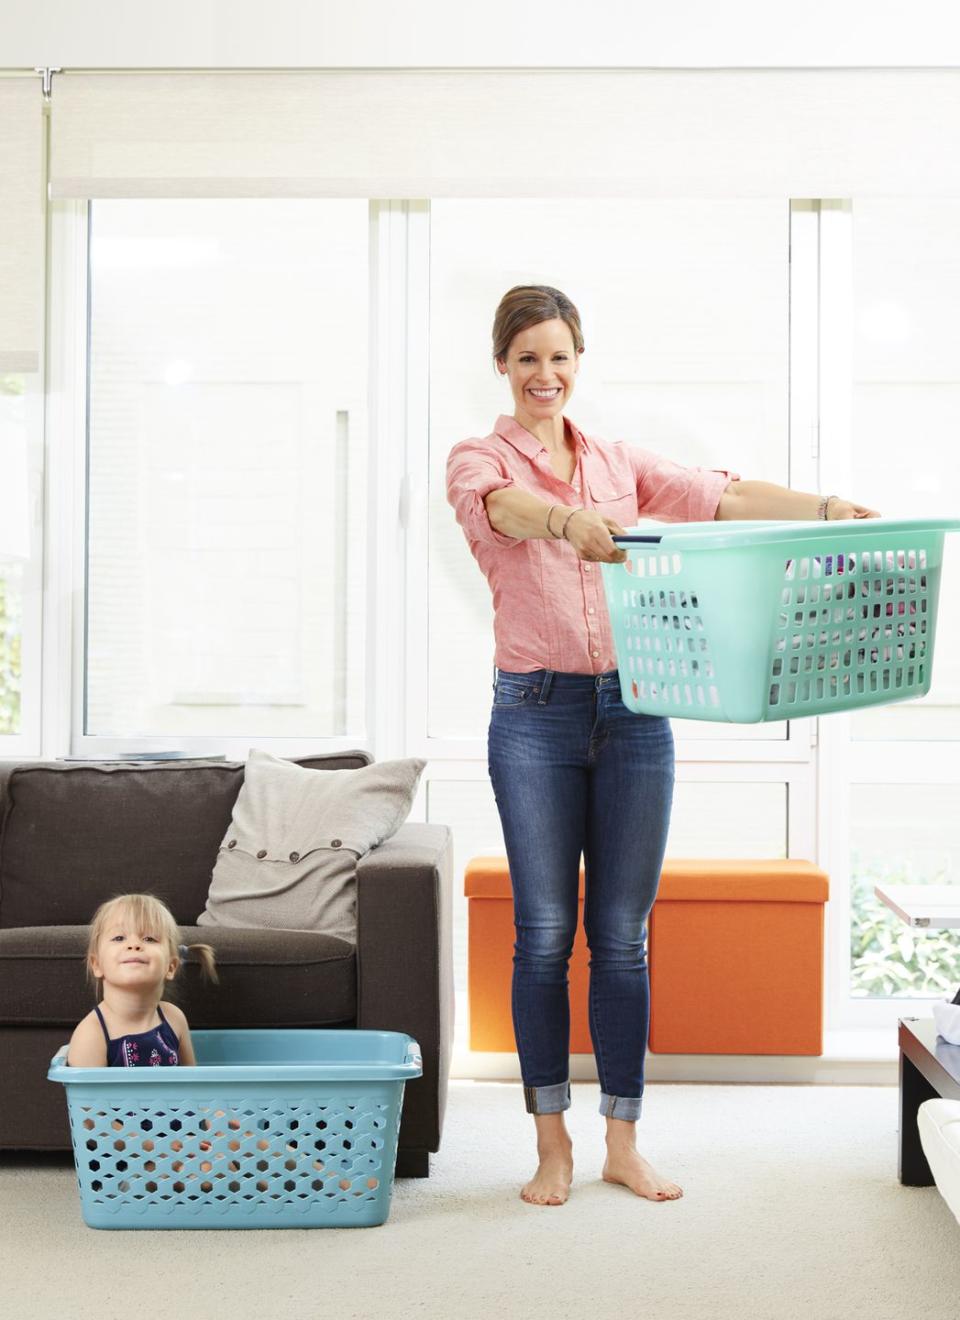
{"points": [[75, 833]]}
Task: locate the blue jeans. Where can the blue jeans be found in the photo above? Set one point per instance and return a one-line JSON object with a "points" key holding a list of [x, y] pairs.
{"points": [[573, 771]]}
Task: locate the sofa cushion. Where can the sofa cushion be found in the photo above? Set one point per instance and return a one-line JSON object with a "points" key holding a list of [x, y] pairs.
{"points": [[73, 834], [288, 858], [267, 979]]}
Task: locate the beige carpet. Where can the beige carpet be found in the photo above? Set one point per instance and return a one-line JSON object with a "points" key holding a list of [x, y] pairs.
{"points": [[791, 1209]]}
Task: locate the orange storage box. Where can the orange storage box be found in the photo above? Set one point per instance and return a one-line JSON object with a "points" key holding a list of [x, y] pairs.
{"points": [[736, 958], [735, 951]]}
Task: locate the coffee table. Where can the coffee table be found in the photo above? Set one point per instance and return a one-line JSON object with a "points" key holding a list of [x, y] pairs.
{"points": [[929, 1068]]}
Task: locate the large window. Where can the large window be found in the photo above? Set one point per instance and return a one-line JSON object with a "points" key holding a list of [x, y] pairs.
{"points": [[906, 414], [19, 601], [236, 490], [227, 469], [901, 760]]}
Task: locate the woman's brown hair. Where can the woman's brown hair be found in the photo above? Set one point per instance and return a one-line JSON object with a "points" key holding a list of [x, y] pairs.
{"points": [[528, 304]]}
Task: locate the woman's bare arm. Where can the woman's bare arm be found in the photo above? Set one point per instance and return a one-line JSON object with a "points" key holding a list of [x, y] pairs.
{"points": [[762, 499]]}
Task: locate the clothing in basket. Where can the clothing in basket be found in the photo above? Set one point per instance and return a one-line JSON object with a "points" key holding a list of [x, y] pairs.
{"points": [[156, 1048]]}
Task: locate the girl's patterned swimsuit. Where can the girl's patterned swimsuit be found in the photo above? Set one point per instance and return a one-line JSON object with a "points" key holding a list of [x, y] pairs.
{"points": [[156, 1048]]}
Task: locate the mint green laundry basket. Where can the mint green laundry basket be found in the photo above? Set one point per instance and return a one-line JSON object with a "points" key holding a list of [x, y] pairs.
{"points": [[751, 621], [272, 1129]]}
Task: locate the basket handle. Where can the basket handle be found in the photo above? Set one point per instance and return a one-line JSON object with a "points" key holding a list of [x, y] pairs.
{"points": [[630, 540], [413, 1054]]}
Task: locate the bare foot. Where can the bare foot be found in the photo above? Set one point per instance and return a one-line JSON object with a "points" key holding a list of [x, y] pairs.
{"points": [[624, 1165], [550, 1185]]}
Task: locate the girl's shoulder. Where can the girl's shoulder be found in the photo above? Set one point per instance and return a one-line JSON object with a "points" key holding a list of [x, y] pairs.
{"points": [[87, 1047], [174, 1015]]}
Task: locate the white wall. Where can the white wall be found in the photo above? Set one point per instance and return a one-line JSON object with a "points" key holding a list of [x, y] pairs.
{"points": [[496, 33]]}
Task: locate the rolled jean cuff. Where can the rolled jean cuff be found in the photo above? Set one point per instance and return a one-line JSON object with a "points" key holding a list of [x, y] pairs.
{"points": [[621, 1106], [547, 1099]]}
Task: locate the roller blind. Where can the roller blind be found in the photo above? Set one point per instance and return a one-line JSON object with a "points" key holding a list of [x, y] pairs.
{"points": [[21, 222], [485, 133]]}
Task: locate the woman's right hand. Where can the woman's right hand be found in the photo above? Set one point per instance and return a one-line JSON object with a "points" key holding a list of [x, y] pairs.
{"points": [[589, 534]]}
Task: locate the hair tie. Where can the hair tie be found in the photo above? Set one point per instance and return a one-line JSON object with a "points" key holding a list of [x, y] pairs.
{"points": [[183, 951]]}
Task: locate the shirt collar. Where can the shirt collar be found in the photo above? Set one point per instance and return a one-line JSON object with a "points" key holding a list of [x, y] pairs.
{"points": [[509, 429]]}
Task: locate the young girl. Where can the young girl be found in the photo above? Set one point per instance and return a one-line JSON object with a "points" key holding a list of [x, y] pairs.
{"points": [[134, 950]]}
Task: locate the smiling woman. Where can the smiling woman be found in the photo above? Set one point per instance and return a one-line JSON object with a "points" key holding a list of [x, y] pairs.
{"points": [[573, 772]]}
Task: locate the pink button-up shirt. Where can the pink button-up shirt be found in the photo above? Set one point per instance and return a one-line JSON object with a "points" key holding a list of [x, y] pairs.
{"points": [[549, 608]]}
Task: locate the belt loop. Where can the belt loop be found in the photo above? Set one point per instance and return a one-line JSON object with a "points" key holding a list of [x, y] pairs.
{"points": [[545, 688]]}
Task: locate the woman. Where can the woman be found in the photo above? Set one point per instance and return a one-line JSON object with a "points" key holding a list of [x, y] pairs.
{"points": [[573, 771]]}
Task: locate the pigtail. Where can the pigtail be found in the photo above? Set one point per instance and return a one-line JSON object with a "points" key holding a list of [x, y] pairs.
{"points": [[205, 957]]}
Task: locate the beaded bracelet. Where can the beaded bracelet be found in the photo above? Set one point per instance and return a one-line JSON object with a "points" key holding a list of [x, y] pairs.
{"points": [[555, 535], [824, 504]]}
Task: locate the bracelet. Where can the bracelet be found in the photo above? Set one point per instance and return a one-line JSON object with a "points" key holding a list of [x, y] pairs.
{"points": [[822, 509], [555, 535], [566, 520]]}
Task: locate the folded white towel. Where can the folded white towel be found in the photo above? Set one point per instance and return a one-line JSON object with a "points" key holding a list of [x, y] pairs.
{"points": [[947, 1017]]}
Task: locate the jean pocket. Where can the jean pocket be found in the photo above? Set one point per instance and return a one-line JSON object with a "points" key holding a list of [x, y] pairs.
{"points": [[510, 693]]}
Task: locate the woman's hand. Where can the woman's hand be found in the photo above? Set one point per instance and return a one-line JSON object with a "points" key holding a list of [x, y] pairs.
{"points": [[838, 508], [589, 534]]}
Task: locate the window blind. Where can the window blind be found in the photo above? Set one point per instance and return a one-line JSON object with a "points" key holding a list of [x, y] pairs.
{"points": [[489, 133], [21, 222]]}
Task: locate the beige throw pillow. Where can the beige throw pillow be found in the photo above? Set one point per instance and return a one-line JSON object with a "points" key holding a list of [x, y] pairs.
{"points": [[289, 859]]}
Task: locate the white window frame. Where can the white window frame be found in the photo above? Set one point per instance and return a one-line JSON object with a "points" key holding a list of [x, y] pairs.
{"points": [[65, 604], [817, 760], [843, 761], [26, 742]]}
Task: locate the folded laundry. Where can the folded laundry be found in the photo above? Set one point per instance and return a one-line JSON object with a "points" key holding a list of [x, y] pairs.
{"points": [[946, 1015]]}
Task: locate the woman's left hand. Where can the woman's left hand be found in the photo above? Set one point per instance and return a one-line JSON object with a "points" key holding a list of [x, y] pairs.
{"points": [[838, 508]]}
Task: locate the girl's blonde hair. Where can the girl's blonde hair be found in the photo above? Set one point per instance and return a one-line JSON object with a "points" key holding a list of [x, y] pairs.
{"points": [[151, 917], [528, 304]]}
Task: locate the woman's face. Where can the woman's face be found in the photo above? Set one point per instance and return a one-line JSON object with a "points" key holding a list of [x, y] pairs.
{"points": [[541, 365]]}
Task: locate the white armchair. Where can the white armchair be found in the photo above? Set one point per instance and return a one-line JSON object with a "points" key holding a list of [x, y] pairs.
{"points": [[939, 1125]]}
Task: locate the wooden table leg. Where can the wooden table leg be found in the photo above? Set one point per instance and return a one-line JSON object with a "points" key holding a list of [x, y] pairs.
{"points": [[913, 1169]]}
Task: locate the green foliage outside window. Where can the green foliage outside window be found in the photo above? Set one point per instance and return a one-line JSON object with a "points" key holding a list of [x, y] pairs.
{"points": [[10, 596], [9, 653], [890, 959]]}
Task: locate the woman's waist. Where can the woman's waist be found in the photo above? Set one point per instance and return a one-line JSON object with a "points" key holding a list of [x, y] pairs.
{"points": [[560, 678]]}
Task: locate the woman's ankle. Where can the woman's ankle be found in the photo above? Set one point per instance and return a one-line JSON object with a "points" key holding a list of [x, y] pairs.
{"points": [[552, 1134]]}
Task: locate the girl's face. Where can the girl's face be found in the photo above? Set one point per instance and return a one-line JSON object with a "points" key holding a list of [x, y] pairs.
{"points": [[541, 365], [129, 958]]}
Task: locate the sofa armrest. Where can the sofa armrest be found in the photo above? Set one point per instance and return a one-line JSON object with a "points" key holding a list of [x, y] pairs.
{"points": [[405, 947]]}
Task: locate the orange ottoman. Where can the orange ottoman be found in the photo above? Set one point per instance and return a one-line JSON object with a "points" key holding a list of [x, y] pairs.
{"points": [[736, 958], [735, 953]]}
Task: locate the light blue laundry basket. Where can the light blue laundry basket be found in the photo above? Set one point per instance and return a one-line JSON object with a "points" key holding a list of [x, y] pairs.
{"points": [[750, 621], [271, 1129]]}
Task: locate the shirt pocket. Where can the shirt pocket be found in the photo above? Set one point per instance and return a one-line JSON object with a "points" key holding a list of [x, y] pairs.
{"points": [[614, 498]]}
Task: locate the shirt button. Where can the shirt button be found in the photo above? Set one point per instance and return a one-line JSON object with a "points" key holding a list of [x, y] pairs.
{"points": [[294, 857], [595, 654], [591, 610], [262, 853], [232, 843], [586, 568], [336, 843]]}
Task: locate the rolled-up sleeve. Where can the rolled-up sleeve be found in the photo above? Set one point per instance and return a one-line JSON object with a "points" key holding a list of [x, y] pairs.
{"points": [[674, 493], [472, 473]]}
